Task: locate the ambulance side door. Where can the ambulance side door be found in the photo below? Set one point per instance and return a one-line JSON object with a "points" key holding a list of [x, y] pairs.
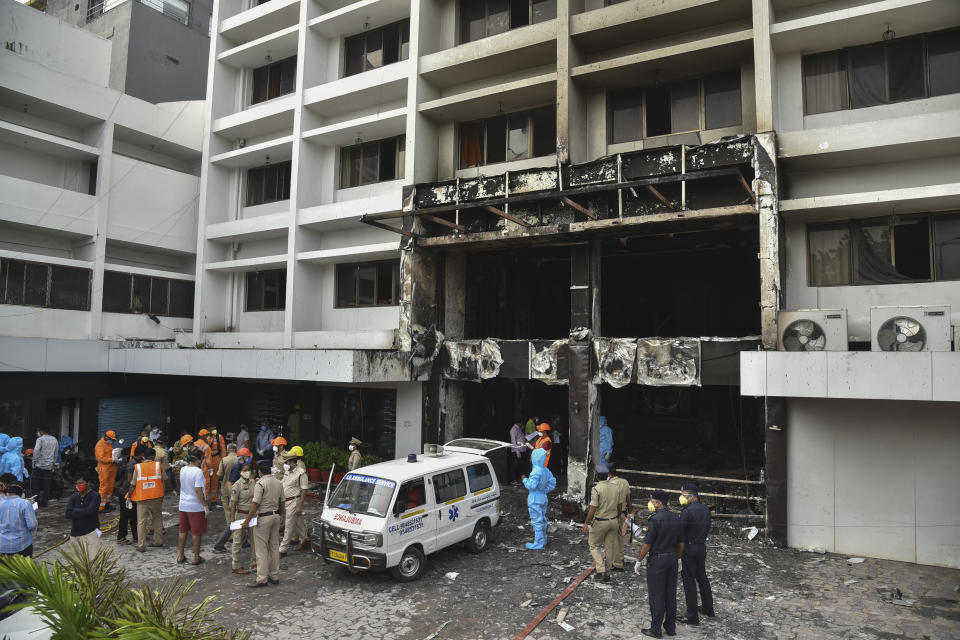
{"points": [[412, 518], [484, 491], [450, 493]]}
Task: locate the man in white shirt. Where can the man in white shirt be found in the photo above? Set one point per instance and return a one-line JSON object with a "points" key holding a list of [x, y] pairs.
{"points": [[193, 507], [44, 461]]}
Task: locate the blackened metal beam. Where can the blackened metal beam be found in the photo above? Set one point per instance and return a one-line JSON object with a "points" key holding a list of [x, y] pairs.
{"points": [[585, 211], [507, 216], [373, 222], [446, 223], [659, 196], [746, 187]]}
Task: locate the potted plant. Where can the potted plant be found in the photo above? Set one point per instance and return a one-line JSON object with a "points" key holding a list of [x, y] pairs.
{"points": [[313, 458]]}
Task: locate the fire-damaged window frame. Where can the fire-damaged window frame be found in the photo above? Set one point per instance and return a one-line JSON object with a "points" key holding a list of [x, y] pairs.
{"points": [[352, 161], [540, 140], [637, 101], [39, 285], [124, 293], [259, 284], [855, 258], [930, 76], [269, 183], [273, 80], [516, 14], [362, 53], [351, 271]]}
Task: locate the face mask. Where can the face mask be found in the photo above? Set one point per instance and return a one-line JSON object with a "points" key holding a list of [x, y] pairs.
{"points": [[263, 427], [81, 488], [275, 449], [683, 500], [245, 475], [286, 467], [351, 447], [651, 506], [120, 441], [144, 439], [274, 470]]}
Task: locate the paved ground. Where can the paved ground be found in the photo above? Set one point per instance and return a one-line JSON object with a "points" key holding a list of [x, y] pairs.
{"points": [[761, 592]]}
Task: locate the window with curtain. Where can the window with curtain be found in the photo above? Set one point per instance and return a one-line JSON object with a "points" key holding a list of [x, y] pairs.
{"points": [[509, 137], [377, 47], [371, 162], [483, 18], [131, 293], [368, 284], [916, 248], [710, 102], [274, 80], [266, 290], [270, 183], [44, 285], [882, 73]]}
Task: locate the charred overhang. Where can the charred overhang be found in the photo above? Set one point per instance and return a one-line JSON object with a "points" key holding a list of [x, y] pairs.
{"points": [[670, 188]]}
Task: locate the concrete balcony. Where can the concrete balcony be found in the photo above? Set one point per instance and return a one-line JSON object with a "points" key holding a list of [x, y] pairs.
{"points": [[275, 46], [248, 229], [346, 211], [864, 375], [46, 208], [357, 253], [519, 91], [373, 126], [256, 155], [355, 17], [365, 90], [260, 263], [259, 120], [260, 21]]}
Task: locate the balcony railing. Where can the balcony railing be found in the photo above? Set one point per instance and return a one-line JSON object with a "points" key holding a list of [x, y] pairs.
{"points": [[179, 10]]}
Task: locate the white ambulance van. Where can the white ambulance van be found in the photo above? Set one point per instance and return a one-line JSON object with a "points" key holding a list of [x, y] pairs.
{"points": [[393, 514]]}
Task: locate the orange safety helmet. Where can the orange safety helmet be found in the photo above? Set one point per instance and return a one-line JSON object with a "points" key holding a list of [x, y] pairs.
{"points": [[202, 432], [543, 426], [185, 440], [244, 452], [279, 440], [111, 434]]}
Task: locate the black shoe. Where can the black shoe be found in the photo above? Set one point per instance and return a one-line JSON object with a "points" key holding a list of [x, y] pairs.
{"points": [[709, 614], [688, 621], [650, 634], [257, 585], [670, 633], [616, 569], [219, 549], [272, 581]]}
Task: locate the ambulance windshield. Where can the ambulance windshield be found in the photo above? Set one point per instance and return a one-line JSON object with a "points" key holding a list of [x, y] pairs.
{"points": [[359, 493]]}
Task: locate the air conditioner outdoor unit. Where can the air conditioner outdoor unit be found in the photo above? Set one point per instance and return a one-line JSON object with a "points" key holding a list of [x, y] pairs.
{"points": [[921, 328], [812, 330]]}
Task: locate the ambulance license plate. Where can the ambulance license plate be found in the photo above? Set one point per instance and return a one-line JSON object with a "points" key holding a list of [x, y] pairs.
{"points": [[338, 555]]}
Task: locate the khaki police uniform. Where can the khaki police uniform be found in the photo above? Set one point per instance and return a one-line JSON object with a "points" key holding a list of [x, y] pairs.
{"points": [[241, 496], [623, 498], [268, 494], [223, 473], [605, 527], [294, 527]]}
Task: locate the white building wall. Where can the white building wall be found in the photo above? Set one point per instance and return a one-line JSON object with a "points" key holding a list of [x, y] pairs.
{"points": [[874, 478]]}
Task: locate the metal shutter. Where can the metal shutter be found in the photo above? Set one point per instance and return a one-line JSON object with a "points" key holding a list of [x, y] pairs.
{"points": [[127, 415]]}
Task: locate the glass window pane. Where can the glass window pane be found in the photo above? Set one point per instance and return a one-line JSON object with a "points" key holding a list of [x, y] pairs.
{"points": [[401, 156], [388, 159], [471, 145], [829, 254], [285, 169], [385, 283], [905, 64], [254, 187], [722, 100], [35, 289], [391, 44], [685, 106], [346, 285], [824, 83], [353, 56], [498, 16], [366, 284], [911, 248], [496, 139], [116, 292], [181, 299], [944, 51], [626, 114], [479, 476], [867, 76], [141, 294], [472, 24], [658, 111], [519, 13], [254, 291], [374, 50], [947, 239], [517, 145], [369, 170], [15, 270], [69, 288], [545, 131], [159, 296], [288, 75], [350, 167], [405, 39], [260, 82], [449, 486], [544, 10], [874, 262]]}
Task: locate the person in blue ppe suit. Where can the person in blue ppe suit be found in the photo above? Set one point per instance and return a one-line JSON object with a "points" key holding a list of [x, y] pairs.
{"points": [[539, 484], [4, 441], [12, 459], [605, 449]]}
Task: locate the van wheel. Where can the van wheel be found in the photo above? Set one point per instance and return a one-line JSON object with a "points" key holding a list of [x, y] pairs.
{"points": [[480, 538], [410, 567]]}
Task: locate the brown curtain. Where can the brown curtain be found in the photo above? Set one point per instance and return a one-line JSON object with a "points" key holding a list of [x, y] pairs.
{"points": [[471, 145]]}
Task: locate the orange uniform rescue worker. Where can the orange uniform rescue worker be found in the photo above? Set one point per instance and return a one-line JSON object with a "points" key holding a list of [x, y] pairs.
{"points": [[148, 492], [544, 441], [106, 466], [211, 463]]}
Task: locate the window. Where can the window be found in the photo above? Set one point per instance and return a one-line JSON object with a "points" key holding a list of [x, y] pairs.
{"points": [[44, 285], [479, 476], [274, 80], [268, 184], [371, 162], [449, 486], [882, 73], [376, 48], [130, 293], [179, 10], [712, 102], [368, 284], [526, 134], [483, 18], [884, 251], [412, 494], [267, 290]]}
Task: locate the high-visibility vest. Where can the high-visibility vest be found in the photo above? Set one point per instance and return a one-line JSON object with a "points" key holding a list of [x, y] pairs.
{"points": [[543, 439], [150, 486]]}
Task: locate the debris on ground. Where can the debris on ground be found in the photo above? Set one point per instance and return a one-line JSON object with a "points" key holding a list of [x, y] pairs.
{"points": [[855, 560], [751, 532], [437, 632], [893, 595]]}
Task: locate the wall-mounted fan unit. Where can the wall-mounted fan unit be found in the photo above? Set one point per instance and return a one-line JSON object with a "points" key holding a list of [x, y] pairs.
{"points": [[813, 330], [922, 328]]}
